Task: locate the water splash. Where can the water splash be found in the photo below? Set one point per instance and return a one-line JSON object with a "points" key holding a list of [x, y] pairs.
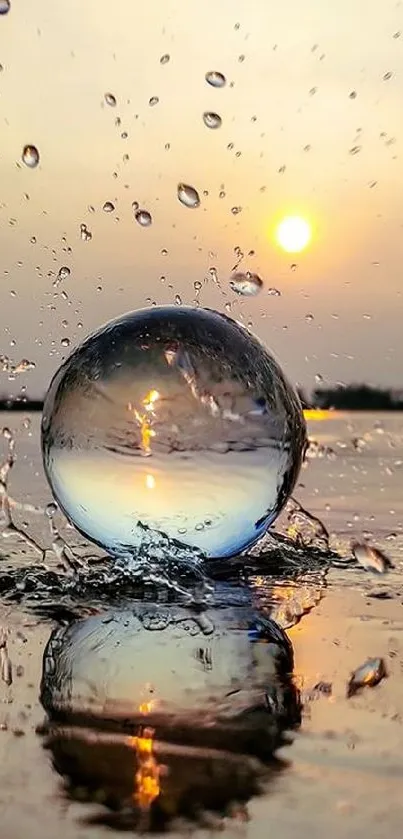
{"points": [[8, 528]]}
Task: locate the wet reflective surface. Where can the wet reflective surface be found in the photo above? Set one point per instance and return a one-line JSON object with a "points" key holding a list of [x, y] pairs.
{"points": [[339, 773], [177, 420]]}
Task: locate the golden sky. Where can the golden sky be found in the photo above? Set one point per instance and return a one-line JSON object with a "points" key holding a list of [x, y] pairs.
{"points": [[308, 81]]}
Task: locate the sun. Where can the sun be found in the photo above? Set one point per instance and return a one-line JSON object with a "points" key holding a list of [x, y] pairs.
{"points": [[293, 234]]}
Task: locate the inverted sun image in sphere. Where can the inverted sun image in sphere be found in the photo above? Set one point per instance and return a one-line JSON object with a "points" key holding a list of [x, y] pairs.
{"points": [[174, 419]]}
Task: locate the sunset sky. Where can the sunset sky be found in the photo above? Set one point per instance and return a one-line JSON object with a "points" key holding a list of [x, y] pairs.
{"points": [[312, 119]]}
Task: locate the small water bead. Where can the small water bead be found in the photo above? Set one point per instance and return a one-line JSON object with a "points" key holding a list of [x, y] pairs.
{"points": [[30, 155], [246, 283], [63, 274], [212, 120], [85, 234], [196, 423], [165, 58], [143, 218], [135, 206], [65, 342], [108, 207], [197, 285], [110, 100], [273, 292], [215, 78], [188, 195], [178, 300], [309, 318], [153, 101], [236, 210], [4, 7]]}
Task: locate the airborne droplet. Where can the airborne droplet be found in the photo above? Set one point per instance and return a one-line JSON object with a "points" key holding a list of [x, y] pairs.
{"points": [[153, 101], [188, 195], [4, 7], [85, 234], [165, 58], [211, 119], [215, 78], [108, 207], [64, 273], [30, 155], [110, 99], [143, 217], [246, 283]]}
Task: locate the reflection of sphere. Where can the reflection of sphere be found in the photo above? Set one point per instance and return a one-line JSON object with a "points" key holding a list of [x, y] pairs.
{"points": [[212, 689], [178, 419]]}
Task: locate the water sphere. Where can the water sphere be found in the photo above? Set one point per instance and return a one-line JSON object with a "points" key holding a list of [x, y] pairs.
{"points": [[175, 420]]}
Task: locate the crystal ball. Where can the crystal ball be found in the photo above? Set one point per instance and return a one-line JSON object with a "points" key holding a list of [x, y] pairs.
{"points": [[177, 420]]}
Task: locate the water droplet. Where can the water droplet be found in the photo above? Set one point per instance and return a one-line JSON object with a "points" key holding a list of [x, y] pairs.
{"points": [[293, 266], [211, 119], [4, 7], [178, 300], [318, 379], [63, 274], [274, 292], [165, 58], [153, 101], [85, 234], [313, 90], [197, 285], [143, 217], [188, 195], [355, 150], [183, 365], [241, 59], [65, 342], [387, 76], [246, 283], [215, 78], [353, 94], [164, 252], [30, 155], [309, 318], [108, 207], [236, 210], [135, 206], [110, 100]]}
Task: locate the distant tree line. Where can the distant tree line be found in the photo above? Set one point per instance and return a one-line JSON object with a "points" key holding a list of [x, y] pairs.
{"points": [[355, 397]]}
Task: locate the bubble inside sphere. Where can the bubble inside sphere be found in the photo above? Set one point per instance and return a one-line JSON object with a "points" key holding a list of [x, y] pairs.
{"points": [[175, 419]]}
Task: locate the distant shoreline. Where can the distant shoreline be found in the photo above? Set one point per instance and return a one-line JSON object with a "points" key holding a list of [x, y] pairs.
{"points": [[19, 405], [310, 411]]}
